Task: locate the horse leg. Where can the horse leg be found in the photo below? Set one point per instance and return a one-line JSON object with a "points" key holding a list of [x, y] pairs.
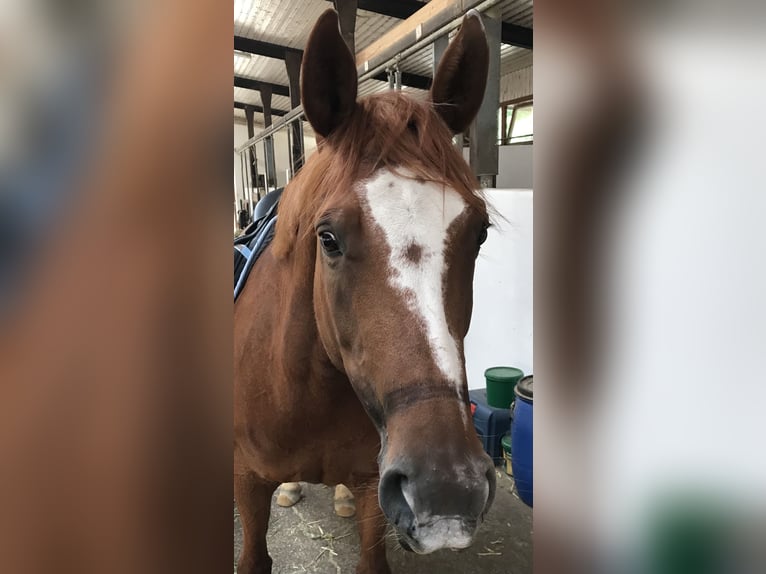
{"points": [[253, 496], [372, 531]]}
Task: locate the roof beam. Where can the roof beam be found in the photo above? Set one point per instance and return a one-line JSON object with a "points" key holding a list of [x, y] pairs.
{"points": [[258, 109], [260, 48], [251, 84], [510, 34], [411, 80], [516, 35], [394, 8]]}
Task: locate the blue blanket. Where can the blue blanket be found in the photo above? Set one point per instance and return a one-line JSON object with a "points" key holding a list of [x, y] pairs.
{"points": [[248, 247]]}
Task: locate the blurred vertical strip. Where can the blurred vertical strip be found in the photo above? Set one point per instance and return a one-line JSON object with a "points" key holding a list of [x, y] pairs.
{"points": [[115, 295], [588, 94], [650, 322]]}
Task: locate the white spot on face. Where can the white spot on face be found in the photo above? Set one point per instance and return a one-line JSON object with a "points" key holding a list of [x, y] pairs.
{"points": [[412, 213]]}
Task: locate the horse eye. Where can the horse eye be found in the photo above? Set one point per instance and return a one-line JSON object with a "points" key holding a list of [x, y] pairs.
{"points": [[483, 235], [329, 243]]}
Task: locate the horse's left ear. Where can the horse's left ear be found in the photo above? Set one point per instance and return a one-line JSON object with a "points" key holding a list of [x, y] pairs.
{"points": [[461, 77], [328, 76]]}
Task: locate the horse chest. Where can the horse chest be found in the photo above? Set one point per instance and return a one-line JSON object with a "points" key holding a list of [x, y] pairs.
{"points": [[310, 436]]}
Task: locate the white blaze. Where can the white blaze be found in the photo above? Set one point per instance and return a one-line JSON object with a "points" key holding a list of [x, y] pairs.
{"points": [[416, 213]]}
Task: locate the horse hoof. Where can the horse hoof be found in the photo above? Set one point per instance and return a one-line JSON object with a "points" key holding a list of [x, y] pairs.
{"points": [[345, 507], [289, 494]]}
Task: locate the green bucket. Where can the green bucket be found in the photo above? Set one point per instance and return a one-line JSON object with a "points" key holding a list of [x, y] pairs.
{"points": [[500, 384]]}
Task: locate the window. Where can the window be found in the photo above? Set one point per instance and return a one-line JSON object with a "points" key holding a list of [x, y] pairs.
{"points": [[515, 122]]}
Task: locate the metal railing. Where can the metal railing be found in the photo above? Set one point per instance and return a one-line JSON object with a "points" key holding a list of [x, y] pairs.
{"points": [[254, 184]]}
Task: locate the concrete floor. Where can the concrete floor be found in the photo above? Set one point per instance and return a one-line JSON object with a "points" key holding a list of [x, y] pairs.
{"points": [[310, 538]]}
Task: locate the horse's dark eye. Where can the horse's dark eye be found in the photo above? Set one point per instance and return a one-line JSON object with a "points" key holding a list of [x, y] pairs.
{"points": [[483, 235], [329, 243]]}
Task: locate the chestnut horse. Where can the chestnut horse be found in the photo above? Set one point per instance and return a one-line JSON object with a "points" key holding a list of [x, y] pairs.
{"points": [[348, 336]]}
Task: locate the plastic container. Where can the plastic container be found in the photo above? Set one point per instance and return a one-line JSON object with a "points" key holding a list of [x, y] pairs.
{"points": [[490, 423], [521, 439], [500, 384], [506, 444]]}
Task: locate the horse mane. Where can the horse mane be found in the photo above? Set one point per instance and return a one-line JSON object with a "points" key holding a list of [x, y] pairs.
{"points": [[390, 130]]}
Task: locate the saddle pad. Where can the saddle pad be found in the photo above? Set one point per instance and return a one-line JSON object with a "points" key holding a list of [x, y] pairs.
{"points": [[248, 247]]}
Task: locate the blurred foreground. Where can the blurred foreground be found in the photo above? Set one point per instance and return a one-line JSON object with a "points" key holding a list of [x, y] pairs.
{"points": [[650, 275], [115, 352]]}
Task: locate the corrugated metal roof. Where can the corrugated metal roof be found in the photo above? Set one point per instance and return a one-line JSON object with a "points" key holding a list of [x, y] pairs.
{"points": [[517, 12], [289, 22]]}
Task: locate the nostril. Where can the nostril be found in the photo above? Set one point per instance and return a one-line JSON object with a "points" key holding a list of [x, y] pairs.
{"points": [[392, 488], [393, 501]]}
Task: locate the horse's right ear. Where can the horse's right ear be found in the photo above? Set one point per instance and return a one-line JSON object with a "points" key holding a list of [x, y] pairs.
{"points": [[328, 77]]}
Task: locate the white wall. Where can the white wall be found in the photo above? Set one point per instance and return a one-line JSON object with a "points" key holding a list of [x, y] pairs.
{"points": [[514, 166], [501, 327]]}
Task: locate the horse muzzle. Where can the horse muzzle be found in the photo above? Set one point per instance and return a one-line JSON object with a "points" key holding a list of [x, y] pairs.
{"points": [[433, 507]]}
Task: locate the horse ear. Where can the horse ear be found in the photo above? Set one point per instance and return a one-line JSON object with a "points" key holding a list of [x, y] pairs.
{"points": [[461, 77], [328, 76]]}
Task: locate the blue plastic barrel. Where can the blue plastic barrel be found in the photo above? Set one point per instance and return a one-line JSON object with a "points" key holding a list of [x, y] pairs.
{"points": [[521, 439]]}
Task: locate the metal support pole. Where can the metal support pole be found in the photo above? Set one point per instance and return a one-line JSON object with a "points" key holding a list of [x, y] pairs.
{"points": [[347, 20], [390, 74], [398, 77], [245, 159], [483, 132], [243, 198], [289, 153], [247, 155], [293, 65], [268, 172], [249, 116], [255, 185], [297, 156], [268, 143]]}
